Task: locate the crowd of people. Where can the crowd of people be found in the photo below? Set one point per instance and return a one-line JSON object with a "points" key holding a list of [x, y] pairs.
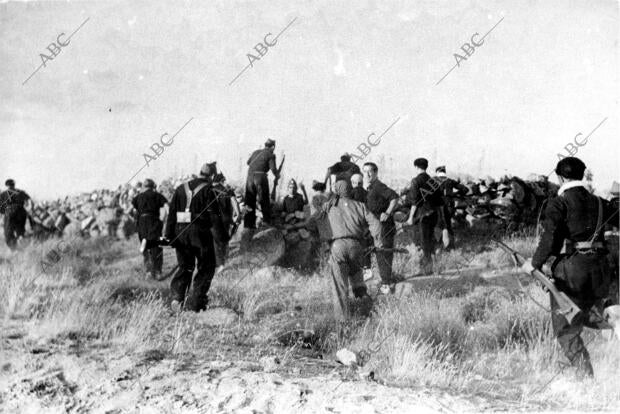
{"points": [[353, 212]]}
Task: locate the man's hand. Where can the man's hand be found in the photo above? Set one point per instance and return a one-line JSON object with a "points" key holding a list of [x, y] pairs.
{"points": [[302, 186], [409, 222], [527, 267], [384, 217]]}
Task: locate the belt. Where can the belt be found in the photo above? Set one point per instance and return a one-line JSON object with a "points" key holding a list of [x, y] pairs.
{"points": [[259, 172], [587, 245], [147, 214], [584, 247], [346, 237]]}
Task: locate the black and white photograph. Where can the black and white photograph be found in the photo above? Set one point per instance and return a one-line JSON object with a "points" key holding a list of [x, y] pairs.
{"points": [[309, 206]]}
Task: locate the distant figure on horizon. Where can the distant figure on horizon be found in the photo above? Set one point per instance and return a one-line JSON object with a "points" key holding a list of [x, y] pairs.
{"points": [[13, 203]]}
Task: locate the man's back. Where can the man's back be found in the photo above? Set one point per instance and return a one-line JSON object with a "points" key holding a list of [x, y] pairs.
{"points": [[350, 219], [196, 230], [573, 216], [149, 202], [12, 199], [261, 160]]}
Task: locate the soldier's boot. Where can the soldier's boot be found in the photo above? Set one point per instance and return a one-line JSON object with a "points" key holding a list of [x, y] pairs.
{"points": [[363, 301]]}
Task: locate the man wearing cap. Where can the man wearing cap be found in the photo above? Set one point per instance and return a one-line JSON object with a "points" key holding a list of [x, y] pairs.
{"points": [[573, 234], [382, 201], [188, 230], [449, 190], [343, 170], [12, 204], [349, 220], [425, 199], [147, 207], [257, 185]]}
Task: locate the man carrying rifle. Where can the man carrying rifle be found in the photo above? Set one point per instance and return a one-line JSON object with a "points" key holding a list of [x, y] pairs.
{"points": [[188, 230], [573, 233], [257, 185]]}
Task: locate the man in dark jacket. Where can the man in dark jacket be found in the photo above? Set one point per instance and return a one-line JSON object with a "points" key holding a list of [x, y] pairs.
{"points": [[257, 185], [425, 200], [449, 190], [382, 201], [148, 205], [12, 205], [573, 233], [188, 230]]}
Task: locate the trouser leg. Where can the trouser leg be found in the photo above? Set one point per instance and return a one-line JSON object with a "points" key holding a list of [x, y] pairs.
{"points": [[427, 227], [157, 257], [205, 258], [385, 258], [339, 269], [182, 278], [9, 233], [265, 203], [569, 338], [356, 274], [249, 219]]}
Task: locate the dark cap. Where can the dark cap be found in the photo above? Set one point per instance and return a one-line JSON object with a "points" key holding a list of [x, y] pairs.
{"points": [[441, 169], [345, 157], [205, 170], [10, 182], [148, 183], [270, 143], [571, 168], [421, 163]]}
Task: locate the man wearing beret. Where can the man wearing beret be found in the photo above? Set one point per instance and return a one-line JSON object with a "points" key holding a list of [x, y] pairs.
{"points": [[573, 233], [12, 205]]}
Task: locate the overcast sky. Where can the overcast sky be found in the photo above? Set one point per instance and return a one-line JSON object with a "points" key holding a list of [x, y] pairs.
{"points": [[138, 69]]}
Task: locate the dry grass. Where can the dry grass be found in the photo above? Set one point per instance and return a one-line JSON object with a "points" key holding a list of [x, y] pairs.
{"points": [[468, 335]]}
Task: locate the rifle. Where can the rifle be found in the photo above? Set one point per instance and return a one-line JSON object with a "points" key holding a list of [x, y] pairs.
{"points": [[276, 179], [567, 307]]}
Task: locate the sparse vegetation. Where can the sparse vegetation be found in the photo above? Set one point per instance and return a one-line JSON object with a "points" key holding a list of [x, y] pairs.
{"points": [[473, 334]]}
